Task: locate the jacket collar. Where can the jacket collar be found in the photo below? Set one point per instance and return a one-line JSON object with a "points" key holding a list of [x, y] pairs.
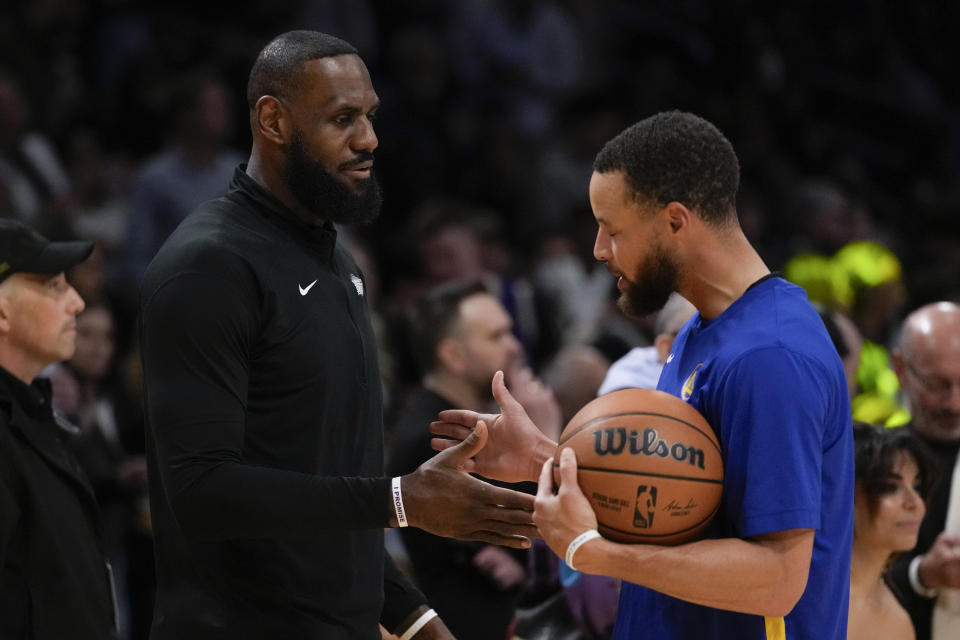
{"points": [[321, 239], [31, 417]]}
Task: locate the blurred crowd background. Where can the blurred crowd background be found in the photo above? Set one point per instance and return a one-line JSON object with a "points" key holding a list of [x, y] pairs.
{"points": [[117, 117]]}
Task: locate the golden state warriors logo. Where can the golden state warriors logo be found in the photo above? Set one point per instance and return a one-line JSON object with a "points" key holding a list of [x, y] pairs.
{"points": [[689, 384]]}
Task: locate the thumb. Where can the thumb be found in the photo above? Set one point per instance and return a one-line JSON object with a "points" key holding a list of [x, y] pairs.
{"points": [[502, 395], [471, 445]]}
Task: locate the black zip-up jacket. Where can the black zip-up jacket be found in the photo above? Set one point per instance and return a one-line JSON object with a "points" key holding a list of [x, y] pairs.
{"points": [[54, 579], [264, 431]]}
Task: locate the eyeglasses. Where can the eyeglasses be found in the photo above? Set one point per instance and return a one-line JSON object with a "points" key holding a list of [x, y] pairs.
{"points": [[935, 385]]}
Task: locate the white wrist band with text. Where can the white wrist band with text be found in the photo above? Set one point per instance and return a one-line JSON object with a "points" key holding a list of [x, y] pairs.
{"points": [[411, 631], [398, 503], [586, 536], [913, 573]]}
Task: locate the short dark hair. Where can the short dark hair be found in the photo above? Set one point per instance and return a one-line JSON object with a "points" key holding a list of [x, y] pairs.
{"points": [[276, 71], [432, 318], [876, 449], [677, 157]]}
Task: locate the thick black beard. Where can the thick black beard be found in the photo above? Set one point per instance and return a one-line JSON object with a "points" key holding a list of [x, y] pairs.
{"points": [[327, 196], [650, 292]]}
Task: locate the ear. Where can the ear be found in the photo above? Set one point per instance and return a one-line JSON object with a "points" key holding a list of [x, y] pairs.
{"points": [[5, 316], [678, 217], [451, 355], [272, 120], [898, 365]]}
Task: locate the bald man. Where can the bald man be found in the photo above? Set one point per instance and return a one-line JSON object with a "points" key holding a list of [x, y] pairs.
{"points": [[927, 362]]}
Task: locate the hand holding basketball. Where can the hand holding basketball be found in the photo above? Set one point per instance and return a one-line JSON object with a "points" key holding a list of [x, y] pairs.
{"points": [[562, 515], [649, 464]]}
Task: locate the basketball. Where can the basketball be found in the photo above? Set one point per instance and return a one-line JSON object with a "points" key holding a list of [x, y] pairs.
{"points": [[649, 464]]}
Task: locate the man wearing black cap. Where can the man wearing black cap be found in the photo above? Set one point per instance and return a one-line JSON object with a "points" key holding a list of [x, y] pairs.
{"points": [[54, 580]]}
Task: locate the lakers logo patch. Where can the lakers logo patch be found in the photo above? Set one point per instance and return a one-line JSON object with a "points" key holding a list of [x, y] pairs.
{"points": [[689, 383]]}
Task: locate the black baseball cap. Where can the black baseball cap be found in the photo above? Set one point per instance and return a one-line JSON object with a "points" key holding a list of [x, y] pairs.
{"points": [[23, 250]]}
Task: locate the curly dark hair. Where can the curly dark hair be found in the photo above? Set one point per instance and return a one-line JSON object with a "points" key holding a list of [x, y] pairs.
{"points": [[276, 71], [677, 157], [876, 450]]}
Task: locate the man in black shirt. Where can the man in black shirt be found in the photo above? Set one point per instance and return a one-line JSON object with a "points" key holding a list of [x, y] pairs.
{"points": [[461, 335], [54, 579], [263, 402]]}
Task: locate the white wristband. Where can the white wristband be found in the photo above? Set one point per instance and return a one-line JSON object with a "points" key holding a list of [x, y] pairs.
{"points": [[398, 503], [913, 573], [411, 631], [586, 536]]}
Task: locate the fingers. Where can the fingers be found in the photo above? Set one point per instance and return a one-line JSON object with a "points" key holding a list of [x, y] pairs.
{"points": [[491, 537], [503, 397], [505, 498], [442, 444], [463, 417], [460, 453], [545, 482], [568, 468], [451, 429]]}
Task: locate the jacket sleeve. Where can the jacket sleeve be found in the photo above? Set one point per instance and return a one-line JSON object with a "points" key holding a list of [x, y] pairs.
{"points": [[400, 596], [9, 516], [197, 330]]}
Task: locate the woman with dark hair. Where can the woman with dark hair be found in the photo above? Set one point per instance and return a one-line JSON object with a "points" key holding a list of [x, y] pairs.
{"points": [[894, 476]]}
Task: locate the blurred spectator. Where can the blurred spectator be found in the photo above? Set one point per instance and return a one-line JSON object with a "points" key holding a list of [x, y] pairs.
{"points": [[32, 174], [110, 450], [927, 362], [641, 366], [894, 476], [522, 55], [195, 167], [461, 336], [458, 240]]}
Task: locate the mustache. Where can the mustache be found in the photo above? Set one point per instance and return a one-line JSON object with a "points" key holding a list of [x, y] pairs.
{"points": [[361, 158]]}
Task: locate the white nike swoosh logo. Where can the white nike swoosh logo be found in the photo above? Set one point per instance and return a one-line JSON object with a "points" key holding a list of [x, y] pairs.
{"points": [[305, 290]]}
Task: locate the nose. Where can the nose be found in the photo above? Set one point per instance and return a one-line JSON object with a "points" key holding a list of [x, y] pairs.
{"points": [[514, 348], [601, 246], [75, 303], [366, 137], [912, 499], [952, 399]]}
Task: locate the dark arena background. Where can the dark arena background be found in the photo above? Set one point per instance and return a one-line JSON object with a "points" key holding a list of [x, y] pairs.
{"points": [[844, 115]]}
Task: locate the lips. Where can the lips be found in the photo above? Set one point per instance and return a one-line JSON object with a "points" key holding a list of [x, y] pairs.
{"points": [[358, 169]]}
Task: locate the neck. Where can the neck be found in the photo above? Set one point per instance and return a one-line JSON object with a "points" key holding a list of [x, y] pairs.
{"points": [[266, 173], [457, 391], [867, 565], [20, 368], [725, 266]]}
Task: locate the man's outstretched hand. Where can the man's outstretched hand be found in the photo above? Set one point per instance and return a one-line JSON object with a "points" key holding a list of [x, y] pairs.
{"points": [[515, 449], [441, 497]]}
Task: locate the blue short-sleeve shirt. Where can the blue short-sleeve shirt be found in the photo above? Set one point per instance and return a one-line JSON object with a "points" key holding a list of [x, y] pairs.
{"points": [[769, 381]]}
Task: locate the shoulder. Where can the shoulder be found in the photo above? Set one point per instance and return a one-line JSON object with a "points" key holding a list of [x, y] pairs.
{"points": [[886, 619], [217, 243]]}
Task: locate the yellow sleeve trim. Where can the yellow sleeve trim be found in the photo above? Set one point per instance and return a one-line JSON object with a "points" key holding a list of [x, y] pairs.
{"points": [[776, 630]]}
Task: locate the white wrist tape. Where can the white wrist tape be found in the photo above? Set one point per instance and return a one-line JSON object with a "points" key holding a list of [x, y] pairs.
{"points": [[575, 544], [412, 630], [914, 574], [398, 503]]}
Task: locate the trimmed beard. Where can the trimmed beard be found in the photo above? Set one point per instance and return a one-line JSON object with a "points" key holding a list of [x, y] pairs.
{"points": [[327, 196], [650, 292]]}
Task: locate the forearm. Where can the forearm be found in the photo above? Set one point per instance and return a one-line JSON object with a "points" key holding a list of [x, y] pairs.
{"points": [[428, 626], [232, 500], [760, 578]]}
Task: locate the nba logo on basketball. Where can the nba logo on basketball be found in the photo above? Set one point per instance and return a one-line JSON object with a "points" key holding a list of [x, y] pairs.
{"points": [[645, 506]]}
